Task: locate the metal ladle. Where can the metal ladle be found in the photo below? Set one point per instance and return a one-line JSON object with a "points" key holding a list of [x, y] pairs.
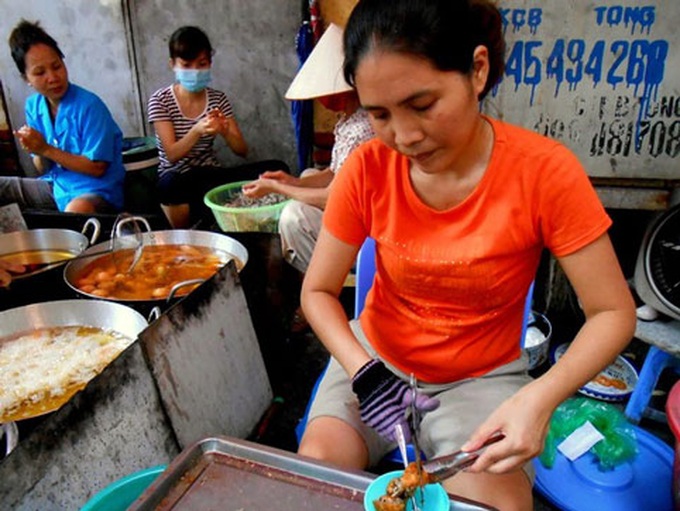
{"points": [[128, 236]]}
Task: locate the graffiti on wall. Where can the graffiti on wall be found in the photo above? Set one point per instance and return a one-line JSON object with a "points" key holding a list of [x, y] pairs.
{"points": [[595, 81]]}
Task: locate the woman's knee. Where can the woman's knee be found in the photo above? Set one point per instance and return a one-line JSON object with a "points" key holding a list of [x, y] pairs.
{"points": [[509, 492], [333, 440], [81, 205]]}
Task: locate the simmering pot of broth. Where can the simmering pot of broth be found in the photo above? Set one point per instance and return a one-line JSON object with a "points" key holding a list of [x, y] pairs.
{"points": [[167, 259]]}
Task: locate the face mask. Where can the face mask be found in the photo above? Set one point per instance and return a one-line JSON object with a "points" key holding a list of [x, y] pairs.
{"points": [[193, 80]]}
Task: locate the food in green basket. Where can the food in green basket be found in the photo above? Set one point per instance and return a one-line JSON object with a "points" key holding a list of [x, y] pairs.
{"points": [[258, 215], [239, 200]]}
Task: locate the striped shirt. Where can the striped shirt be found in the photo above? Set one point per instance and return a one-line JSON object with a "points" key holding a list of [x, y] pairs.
{"points": [[163, 106]]}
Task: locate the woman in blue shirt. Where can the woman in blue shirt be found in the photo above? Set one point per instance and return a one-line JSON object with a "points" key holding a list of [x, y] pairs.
{"points": [[75, 143]]}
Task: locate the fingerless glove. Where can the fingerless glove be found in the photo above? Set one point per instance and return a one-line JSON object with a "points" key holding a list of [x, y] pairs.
{"points": [[382, 398]]}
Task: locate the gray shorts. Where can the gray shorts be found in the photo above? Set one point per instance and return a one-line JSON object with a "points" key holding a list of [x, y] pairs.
{"points": [[27, 192], [464, 405], [30, 192]]}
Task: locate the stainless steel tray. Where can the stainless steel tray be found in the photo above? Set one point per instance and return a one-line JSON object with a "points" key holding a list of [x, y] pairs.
{"points": [[231, 474]]}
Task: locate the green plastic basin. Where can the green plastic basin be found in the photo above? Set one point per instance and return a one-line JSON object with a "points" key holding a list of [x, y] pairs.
{"points": [[120, 494]]}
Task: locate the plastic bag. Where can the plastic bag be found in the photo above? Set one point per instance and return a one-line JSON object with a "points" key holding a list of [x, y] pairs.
{"points": [[620, 441]]}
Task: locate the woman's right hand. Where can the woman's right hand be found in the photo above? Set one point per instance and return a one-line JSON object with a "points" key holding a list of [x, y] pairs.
{"points": [[31, 140], [384, 399], [258, 188]]}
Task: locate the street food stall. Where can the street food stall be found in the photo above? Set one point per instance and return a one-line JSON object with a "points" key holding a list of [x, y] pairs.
{"points": [[195, 370]]}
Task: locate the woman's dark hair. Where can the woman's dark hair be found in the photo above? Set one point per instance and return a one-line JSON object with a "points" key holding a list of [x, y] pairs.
{"points": [[26, 35], [445, 32], [188, 43]]}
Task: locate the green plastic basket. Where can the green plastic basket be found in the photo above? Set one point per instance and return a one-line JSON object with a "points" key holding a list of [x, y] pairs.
{"points": [[257, 219], [119, 495]]}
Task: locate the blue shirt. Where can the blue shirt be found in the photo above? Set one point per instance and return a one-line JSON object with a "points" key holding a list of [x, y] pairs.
{"points": [[83, 126]]}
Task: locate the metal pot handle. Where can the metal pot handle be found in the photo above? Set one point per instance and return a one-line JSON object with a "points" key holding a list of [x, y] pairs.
{"points": [[182, 284], [11, 431], [154, 314], [129, 219], [96, 229]]}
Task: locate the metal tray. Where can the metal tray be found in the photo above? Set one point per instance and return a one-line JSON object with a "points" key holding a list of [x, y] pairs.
{"points": [[231, 475]]}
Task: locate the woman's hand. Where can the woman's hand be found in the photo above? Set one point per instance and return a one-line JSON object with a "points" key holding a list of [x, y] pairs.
{"points": [[524, 420], [259, 188], [6, 270], [31, 140], [228, 128], [207, 126], [384, 399], [268, 182]]}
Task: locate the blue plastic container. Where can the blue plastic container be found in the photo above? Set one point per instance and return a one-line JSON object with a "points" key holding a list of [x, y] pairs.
{"points": [[119, 495], [435, 497], [644, 483]]}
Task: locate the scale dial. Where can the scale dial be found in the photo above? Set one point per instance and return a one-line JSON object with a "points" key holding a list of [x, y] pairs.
{"points": [[657, 273]]}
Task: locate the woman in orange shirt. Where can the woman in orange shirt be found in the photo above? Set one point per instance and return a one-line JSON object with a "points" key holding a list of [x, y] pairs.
{"points": [[460, 206]]}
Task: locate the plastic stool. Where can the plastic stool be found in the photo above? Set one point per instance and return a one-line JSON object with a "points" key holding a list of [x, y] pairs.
{"points": [[365, 271], [638, 405]]}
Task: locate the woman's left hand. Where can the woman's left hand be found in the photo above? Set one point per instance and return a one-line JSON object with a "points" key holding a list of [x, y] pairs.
{"points": [[228, 128], [6, 271], [524, 420], [222, 124]]}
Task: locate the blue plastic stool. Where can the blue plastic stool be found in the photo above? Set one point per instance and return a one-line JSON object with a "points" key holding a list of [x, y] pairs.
{"points": [[655, 362], [365, 271]]}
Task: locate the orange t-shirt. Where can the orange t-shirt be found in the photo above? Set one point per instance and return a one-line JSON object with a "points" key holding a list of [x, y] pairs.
{"points": [[448, 298]]}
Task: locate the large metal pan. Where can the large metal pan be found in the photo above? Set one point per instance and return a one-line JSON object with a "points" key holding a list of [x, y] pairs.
{"points": [[207, 239], [55, 243], [95, 313]]}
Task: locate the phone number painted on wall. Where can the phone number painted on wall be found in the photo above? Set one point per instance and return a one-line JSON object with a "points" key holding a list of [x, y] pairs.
{"points": [[609, 79]]}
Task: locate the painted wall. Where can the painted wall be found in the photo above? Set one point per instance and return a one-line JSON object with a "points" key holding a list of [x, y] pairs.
{"points": [[118, 49], [254, 61], [92, 35], [601, 76]]}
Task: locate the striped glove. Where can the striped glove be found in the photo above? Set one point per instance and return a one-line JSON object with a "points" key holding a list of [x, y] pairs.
{"points": [[384, 399]]}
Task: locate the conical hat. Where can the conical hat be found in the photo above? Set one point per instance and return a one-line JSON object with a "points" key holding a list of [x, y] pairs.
{"points": [[321, 73]]}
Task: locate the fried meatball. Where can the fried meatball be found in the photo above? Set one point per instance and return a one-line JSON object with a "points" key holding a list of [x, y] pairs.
{"points": [[388, 503]]}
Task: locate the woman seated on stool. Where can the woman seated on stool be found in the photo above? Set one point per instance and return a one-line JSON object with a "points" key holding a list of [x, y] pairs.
{"points": [[461, 207], [319, 78], [75, 143], [187, 116]]}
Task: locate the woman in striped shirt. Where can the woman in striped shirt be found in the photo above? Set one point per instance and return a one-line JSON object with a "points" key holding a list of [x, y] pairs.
{"points": [[187, 117]]}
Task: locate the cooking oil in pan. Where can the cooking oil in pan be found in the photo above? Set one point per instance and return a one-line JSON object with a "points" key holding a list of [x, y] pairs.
{"points": [[34, 260]]}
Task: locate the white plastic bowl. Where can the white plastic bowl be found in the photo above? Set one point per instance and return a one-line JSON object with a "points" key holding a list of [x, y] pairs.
{"points": [[614, 384]]}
